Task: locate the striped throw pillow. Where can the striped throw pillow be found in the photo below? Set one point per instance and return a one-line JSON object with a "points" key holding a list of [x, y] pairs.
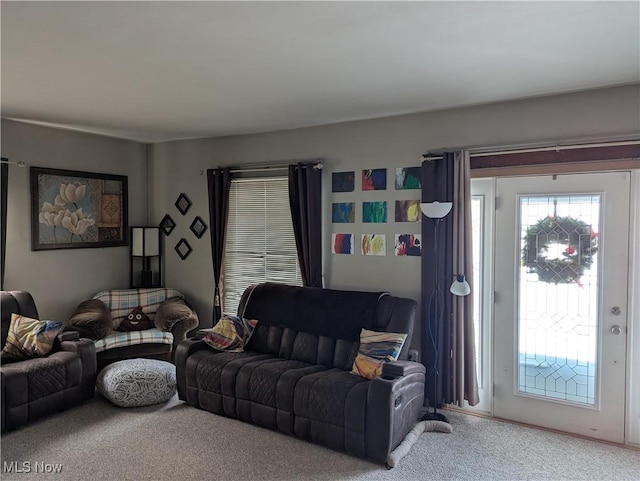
{"points": [[231, 333], [29, 338], [376, 348]]}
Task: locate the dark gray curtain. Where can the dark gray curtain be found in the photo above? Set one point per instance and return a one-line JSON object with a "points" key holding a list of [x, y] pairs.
{"points": [[4, 180], [447, 342], [305, 200], [219, 183], [437, 185]]}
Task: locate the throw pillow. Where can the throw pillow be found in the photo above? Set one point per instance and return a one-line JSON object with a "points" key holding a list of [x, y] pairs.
{"points": [[135, 321], [29, 338], [231, 333], [92, 319], [170, 311], [376, 348]]}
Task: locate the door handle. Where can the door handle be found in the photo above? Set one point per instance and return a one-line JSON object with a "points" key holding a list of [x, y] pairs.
{"points": [[616, 329]]}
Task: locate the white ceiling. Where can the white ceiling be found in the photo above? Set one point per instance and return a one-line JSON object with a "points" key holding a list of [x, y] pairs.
{"points": [[157, 71]]}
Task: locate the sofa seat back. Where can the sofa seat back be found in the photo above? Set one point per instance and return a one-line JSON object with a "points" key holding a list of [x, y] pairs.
{"points": [[321, 326], [122, 301]]}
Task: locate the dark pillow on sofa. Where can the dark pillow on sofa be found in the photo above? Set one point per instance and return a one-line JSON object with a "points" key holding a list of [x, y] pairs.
{"points": [[170, 311], [92, 319]]}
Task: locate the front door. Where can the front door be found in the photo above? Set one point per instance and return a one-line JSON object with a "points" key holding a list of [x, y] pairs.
{"points": [[561, 272]]}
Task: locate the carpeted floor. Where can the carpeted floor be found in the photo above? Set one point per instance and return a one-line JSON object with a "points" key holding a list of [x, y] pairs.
{"points": [[99, 441]]}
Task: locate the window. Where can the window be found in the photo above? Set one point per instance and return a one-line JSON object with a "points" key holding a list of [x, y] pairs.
{"points": [[260, 244]]}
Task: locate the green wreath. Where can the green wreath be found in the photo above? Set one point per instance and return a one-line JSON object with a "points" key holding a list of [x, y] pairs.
{"points": [[581, 242]]}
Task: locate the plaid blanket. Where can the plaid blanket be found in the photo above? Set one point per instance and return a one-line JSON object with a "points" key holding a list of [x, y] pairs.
{"points": [[122, 339], [122, 301]]}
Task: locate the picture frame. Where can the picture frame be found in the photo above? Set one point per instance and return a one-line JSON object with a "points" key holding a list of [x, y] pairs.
{"points": [[74, 209], [183, 248], [198, 227], [183, 204], [167, 224]]}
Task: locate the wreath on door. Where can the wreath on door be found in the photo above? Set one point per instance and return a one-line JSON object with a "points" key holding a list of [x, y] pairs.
{"points": [[579, 241]]}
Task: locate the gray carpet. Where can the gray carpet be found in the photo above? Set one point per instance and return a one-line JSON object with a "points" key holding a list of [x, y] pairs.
{"points": [[99, 441]]}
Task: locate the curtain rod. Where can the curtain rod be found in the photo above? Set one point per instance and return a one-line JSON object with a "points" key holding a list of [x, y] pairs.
{"points": [[19, 163], [316, 164], [482, 152]]}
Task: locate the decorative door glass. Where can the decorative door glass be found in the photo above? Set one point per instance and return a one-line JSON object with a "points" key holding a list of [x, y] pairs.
{"points": [[558, 298]]}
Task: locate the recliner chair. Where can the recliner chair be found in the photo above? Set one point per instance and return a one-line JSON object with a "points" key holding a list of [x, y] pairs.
{"points": [[40, 386]]}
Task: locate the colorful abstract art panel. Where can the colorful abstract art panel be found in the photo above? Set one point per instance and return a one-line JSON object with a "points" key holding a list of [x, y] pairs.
{"points": [[343, 181], [373, 245], [407, 210], [343, 212], [408, 178], [342, 243], [374, 179], [374, 212], [408, 245]]}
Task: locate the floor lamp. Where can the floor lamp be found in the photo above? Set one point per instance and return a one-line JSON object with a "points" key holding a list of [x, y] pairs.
{"points": [[436, 211]]}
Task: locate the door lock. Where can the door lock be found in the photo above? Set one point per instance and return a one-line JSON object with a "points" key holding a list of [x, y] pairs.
{"points": [[615, 310]]}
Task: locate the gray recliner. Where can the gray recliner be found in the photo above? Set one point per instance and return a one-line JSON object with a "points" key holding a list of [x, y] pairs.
{"points": [[36, 387]]}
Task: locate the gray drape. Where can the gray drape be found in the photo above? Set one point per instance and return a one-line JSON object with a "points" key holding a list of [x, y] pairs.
{"points": [[4, 178], [463, 383], [219, 185]]}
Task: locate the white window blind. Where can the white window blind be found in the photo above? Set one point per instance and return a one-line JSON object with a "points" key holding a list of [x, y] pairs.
{"points": [[260, 244]]}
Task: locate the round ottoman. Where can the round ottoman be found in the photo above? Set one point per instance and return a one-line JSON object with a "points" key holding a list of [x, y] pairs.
{"points": [[137, 382]]}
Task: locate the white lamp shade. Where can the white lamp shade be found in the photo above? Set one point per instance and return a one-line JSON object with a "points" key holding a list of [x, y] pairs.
{"points": [[145, 241], [460, 286], [436, 210]]}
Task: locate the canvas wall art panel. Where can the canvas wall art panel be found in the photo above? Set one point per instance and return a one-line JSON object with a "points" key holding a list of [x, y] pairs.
{"points": [[342, 243], [374, 212], [373, 245], [407, 210], [374, 179], [408, 178], [343, 181], [408, 245], [72, 209], [343, 212]]}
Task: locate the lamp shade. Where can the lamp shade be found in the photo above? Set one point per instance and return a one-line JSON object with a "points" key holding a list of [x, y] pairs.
{"points": [[436, 210], [145, 241], [460, 286]]}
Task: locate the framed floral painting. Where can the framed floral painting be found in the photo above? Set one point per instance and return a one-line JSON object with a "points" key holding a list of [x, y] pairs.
{"points": [[71, 209]]}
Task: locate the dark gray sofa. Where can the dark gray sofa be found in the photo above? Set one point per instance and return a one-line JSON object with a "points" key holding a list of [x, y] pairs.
{"points": [[294, 375]]}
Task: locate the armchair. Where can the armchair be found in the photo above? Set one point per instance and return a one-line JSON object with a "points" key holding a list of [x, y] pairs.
{"points": [[40, 386]]}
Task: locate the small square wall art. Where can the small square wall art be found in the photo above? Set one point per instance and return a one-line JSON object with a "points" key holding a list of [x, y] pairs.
{"points": [[343, 181], [408, 245], [407, 210], [343, 212], [408, 178], [342, 243], [373, 245], [374, 179], [374, 212]]}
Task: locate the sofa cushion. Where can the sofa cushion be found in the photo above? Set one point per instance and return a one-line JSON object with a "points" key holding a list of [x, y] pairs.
{"points": [[136, 320], [29, 337], [122, 339], [376, 348], [121, 301], [92, 318], [231, 333]]}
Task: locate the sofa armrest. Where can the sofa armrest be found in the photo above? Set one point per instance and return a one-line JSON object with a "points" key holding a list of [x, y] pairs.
{"points": [[181, 327], [185, 349], [396, 369], [394, 404], [68, 336], [86, 351]]}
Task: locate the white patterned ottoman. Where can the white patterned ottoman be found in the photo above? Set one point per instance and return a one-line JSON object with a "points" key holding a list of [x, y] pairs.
{"points": [[137, 382]]}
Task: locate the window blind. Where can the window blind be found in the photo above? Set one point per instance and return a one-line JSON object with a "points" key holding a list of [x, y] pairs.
{"points": [[260, 244]]}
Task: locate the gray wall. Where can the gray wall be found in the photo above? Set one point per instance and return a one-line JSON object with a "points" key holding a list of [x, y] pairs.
{"points": [[60, 279], [390, 142]]}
